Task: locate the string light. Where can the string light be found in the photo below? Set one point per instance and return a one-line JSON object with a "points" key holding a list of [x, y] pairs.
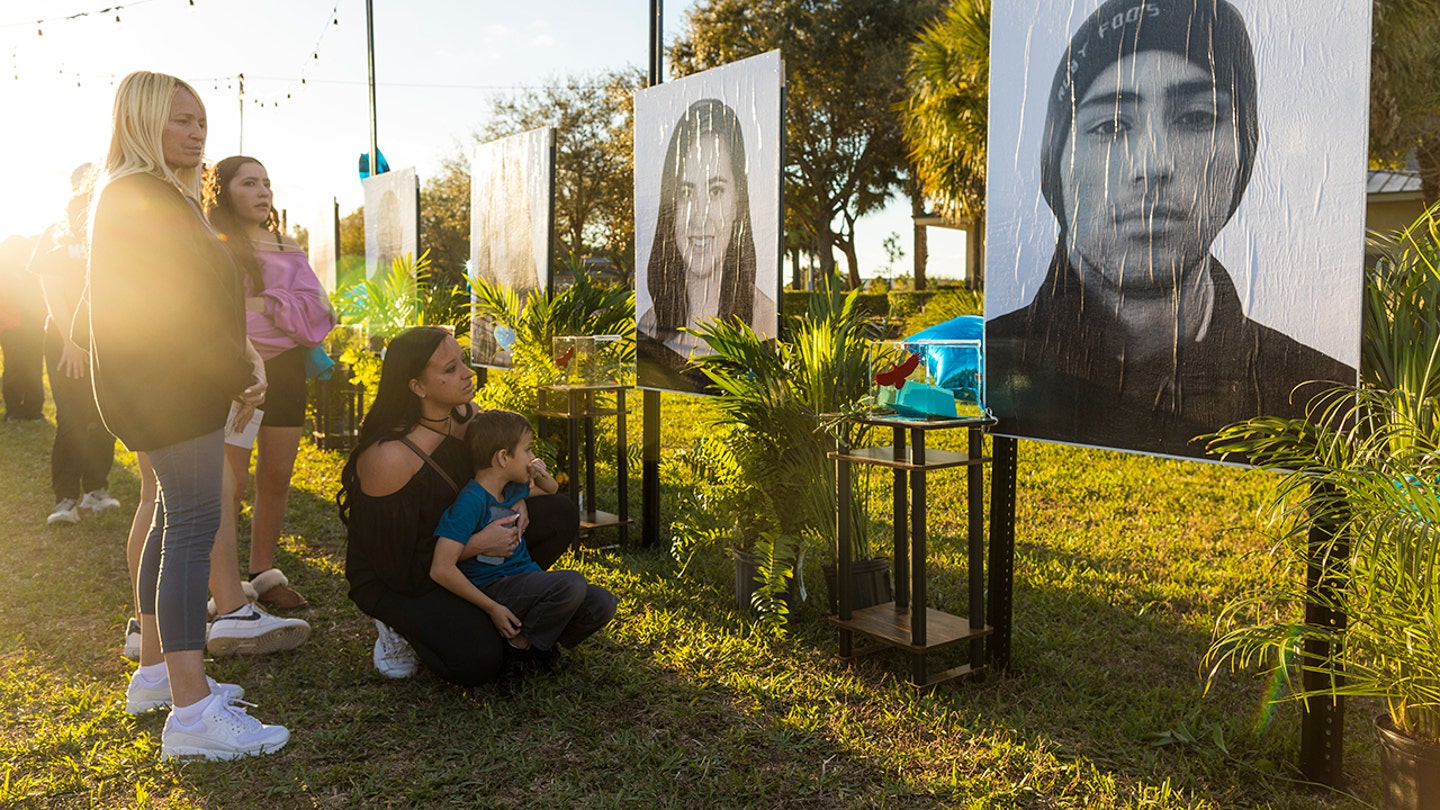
{"points": [[77, 15]]}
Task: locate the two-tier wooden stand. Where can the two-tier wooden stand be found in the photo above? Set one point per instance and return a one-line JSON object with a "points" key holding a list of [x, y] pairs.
{"points": [[579, 406], [908, 623]]}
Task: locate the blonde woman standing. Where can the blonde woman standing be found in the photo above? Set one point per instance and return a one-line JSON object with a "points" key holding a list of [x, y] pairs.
{"points": [[168, 356]]}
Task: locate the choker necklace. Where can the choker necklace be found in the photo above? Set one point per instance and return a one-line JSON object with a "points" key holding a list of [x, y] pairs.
{"points": [[445, 419]]}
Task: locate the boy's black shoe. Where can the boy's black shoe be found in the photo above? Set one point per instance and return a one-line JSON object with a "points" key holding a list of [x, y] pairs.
{"points": [[512, 672], [553, 660]]}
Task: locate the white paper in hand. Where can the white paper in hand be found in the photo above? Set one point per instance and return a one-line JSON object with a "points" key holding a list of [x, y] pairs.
{"points": [[246, 437]]}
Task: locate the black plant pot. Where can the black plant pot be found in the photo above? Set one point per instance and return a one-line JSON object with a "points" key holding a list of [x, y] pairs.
{"points": [[746, 566], [869, 583], [1409, 769]]}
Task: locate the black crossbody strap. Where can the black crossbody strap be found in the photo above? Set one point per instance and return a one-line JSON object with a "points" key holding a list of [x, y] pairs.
{"points": [[433, 465]]}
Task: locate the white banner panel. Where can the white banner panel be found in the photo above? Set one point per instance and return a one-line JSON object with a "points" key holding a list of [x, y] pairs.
{"points": [[708, 218], [512, 183], [392, 219], [1175, 214], [323, 250]]}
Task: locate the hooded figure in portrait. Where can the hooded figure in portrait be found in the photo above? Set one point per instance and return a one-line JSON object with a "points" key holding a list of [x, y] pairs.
{"points": [[1136, 339]]}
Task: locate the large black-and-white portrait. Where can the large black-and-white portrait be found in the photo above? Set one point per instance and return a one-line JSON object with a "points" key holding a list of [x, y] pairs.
{"points": [[392, 219], [512, 186], [324, 248], [707, 211], [1175, 214]]}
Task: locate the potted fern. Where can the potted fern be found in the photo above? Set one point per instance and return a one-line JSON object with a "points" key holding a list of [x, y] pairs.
{"points": [[1365, 463], [779, 393]]}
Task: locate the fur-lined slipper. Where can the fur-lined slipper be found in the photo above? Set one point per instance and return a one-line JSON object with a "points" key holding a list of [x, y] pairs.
{"points": [[250, 596], [275, 592]]}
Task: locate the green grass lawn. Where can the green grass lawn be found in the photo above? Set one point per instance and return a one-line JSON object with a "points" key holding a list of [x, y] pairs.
{"points": [[1122, 565]]}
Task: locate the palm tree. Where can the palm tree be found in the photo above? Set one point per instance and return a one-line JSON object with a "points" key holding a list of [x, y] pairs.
{"points": [[945, 116], [1404, 98]]}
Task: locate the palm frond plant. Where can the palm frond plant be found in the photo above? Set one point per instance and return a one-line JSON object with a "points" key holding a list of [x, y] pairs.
{"points": [[584, 307], [393, 301], [779, 394], [1363, 464]]}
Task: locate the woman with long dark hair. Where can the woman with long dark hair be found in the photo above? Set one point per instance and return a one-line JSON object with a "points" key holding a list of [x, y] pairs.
{"points": [[409, 462], [702, 261], [287, 313]]}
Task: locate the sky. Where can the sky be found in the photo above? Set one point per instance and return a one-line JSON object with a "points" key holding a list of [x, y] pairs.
{"points": [[305, 110]]}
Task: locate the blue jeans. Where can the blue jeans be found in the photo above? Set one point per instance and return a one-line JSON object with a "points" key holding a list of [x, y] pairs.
{"points": [[175, 564]]}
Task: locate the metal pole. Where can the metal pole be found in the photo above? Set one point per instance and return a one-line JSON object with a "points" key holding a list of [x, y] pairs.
{"points": [[241, 149], [657, 45], [370, 57], [650, 402]]}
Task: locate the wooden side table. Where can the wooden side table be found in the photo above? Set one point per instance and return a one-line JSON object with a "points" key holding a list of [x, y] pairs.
{"points": [[908, 623], [579, 406]]}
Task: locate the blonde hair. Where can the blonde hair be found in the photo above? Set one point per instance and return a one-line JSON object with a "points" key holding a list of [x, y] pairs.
{"points": [[142, 108]]}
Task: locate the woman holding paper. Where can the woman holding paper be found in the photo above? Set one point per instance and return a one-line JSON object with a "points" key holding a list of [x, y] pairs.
{"points": [[287, 315], [168, 355]]}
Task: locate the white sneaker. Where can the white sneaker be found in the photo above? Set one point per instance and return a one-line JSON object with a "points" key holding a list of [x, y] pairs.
{"points": [[225, 731], [132, 640], [394, 657], [140, 698], [65, 512], [251, 630], [98, 500]]}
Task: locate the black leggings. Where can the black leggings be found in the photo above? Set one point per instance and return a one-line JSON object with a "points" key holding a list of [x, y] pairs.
{"points": [[454, 638]]}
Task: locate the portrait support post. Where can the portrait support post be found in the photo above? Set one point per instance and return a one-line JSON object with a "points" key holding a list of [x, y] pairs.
{"points": [[1322, 726], [650, 402], [1005, 452]]}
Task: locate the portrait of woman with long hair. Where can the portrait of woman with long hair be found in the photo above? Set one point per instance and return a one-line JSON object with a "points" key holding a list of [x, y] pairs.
{"points": [[702, 263]]}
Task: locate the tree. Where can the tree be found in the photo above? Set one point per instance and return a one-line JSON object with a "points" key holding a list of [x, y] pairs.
{"points": [[945, 114], [1404, 97], [350, 261], [445, 219], [594, 179], [844, 73]]}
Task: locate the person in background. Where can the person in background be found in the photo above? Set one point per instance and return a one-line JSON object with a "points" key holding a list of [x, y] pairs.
{"points": [[287, 315], [83, 450], [22, 333], [168, 356]]}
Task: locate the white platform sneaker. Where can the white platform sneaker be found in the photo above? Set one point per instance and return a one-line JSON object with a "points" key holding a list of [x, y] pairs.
{"points": [[225, 731], [394, 657], [251, 630]]}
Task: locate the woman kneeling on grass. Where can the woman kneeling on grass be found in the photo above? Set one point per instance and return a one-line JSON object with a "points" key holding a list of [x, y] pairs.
{"points": [[406, 470]]}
